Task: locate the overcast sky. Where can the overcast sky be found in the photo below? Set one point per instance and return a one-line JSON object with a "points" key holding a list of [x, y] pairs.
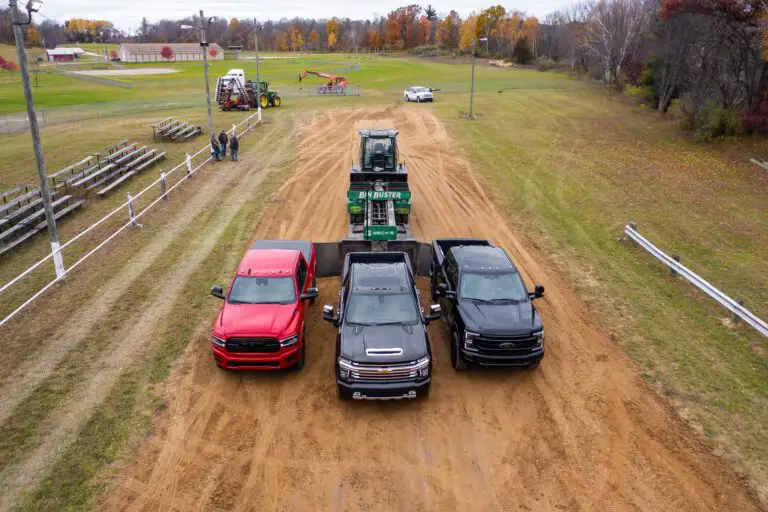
{"points": [[127, 15]]}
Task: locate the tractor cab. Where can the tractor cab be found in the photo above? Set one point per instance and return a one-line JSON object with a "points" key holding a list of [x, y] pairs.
{"points": [[378, 150]]}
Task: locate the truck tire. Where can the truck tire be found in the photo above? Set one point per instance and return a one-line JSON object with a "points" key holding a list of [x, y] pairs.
{"points": [[343, 393], [303, 352], [458, 362], [314, 285]]}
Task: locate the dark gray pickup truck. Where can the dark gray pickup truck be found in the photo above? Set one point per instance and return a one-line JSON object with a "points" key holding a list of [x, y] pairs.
{"points": [[382, 347], [486, 306]]}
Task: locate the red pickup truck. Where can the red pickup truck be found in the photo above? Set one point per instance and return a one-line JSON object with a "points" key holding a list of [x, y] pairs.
{"points": [[261, 324]]}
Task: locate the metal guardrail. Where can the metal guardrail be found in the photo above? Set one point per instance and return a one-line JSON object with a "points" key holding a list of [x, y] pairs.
{"points": [[725, 301]]}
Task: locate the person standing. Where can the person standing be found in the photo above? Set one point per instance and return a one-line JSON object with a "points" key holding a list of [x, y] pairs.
{"points": [[223, 141], [234, 146], [215, 148]]}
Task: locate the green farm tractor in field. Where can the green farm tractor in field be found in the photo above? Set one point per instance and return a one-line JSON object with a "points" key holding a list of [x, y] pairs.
{"points": [[261, 94]]}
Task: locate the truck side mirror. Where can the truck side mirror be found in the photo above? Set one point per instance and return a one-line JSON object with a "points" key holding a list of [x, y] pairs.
{"points": [[328, 315], [435, 312], [538, 292], [443, 291], [217, 292], [311, 293]]}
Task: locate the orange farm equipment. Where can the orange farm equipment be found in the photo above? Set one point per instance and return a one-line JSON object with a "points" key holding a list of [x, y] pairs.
{"points": [[333, 84]]}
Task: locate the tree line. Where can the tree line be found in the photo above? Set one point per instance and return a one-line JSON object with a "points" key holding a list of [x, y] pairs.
{"points": [[706, 56]]}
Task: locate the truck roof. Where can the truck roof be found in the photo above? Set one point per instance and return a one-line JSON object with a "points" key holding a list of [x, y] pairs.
{"points": [[382, 271], [305, 246], [268, 262], [379, 277], [379, 132], [477, 257]]}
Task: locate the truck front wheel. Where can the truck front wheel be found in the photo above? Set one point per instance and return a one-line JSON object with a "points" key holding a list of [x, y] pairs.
{"points": [[457, 361], [302, 352]]}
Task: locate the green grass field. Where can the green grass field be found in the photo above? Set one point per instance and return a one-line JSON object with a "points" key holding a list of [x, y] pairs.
{"points": [[571, 166]]}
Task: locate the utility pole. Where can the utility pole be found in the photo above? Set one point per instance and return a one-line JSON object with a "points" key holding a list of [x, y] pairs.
{"points": [[472, 84], [258, 75], [45, 194], [204, 46]]}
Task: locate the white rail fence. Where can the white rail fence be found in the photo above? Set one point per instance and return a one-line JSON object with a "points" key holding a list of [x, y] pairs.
{"points": [[129, 208], [734, 306]]}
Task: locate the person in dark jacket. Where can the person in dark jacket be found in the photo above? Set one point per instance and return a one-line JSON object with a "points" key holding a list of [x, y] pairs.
{"points": [[223, 141], [234, 146], [215, 148]]}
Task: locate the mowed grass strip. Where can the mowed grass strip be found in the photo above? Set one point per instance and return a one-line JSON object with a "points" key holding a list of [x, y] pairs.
{"points": [[571, 169]]}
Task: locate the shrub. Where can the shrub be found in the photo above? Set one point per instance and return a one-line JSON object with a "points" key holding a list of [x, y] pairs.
{"points": [[755, 120], [718, 121], [546, 64]]}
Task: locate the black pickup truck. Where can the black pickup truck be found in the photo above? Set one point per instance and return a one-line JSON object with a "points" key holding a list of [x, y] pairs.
{"points": [[382, 348], [486, 306]]}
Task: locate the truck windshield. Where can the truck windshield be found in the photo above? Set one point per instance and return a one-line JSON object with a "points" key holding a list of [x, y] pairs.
{"points": [[262, 290], [381, 309], [492, 287]]}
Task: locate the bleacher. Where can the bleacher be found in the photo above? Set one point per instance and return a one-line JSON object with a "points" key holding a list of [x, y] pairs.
{"points": [[174, 130], [21, 208], [106, 170], [22, 215]]}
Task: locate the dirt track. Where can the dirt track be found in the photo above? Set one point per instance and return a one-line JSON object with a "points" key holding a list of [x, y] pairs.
{"points": [[580, 433]]}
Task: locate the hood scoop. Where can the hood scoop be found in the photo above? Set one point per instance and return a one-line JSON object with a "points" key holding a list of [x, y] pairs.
{"points": [[383, 352]]}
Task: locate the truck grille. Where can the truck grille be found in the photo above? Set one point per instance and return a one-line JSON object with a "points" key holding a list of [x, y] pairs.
{"points": [[506, 344], [253, 345], [384, 373]]}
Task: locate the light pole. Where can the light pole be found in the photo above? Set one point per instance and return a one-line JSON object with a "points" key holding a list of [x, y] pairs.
{"points": [[45, 194], [472, 84], [201, 26], [256, 29]]}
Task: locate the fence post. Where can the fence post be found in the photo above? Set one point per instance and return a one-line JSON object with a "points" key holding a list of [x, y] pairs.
{"points": [[259, 113], [132, 212], [189, 165], [247, 122], [734, 317], [163, 187], [672, 271], [233, 129]]}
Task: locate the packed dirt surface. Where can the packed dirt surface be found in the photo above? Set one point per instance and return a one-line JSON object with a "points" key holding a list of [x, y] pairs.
{"points": [[582, 432]]}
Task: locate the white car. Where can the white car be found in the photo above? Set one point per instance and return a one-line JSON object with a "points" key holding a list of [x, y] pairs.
{"points": [[418, 94]]}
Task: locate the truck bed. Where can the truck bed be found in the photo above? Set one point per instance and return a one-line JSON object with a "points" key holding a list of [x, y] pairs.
{"points": [[297, 245], [440, 247]]}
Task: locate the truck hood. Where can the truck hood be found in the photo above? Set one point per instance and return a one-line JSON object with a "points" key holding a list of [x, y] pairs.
{"points": [[267, 320], [356, 339], [500, 319]]}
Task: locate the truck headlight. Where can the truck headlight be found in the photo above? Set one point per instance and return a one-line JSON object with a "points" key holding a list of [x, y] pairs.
{"points": [[345, 368], [539, 339], [469, 339], [291, 340], [422, 367], [219, 342]]}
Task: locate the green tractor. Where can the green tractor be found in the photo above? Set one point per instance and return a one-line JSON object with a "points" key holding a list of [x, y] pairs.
{"points": [[378, 199], [261, 95], [378, 204]]}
